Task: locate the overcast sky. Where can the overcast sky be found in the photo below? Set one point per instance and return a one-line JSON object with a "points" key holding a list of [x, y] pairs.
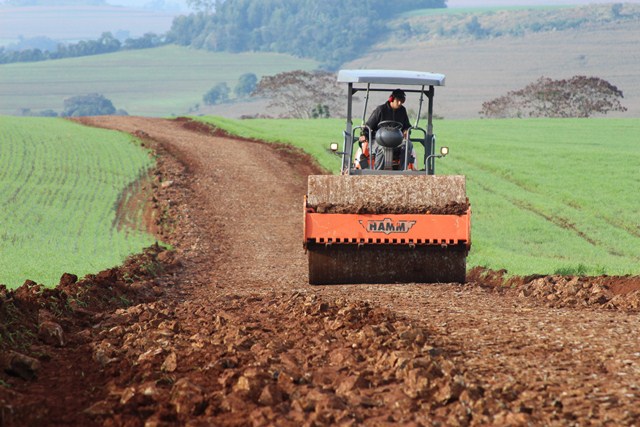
{"points": [[181, 5]]}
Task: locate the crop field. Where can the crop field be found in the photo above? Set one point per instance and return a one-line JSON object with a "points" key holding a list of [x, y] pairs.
{"points": [[60, 187], [548, 196], [152, 82]]}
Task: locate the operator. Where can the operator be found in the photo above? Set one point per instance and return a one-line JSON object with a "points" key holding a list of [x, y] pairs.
{"points": [[391, 110]]}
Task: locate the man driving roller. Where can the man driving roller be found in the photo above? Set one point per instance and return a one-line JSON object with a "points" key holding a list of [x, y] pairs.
{"points": [[392, 110]]}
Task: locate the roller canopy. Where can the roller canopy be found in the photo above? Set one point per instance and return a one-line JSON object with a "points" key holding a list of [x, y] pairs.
{"points": [[391, 77]]}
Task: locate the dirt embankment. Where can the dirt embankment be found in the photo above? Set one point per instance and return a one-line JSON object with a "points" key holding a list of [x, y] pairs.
{"points": [[224, 330]]}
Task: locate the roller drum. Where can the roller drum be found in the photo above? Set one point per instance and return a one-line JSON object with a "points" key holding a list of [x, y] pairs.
{"points": [[345, 264]]}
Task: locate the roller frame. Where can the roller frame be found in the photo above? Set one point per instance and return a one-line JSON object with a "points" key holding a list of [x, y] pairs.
{"points": [[386, 248], [387, 226]]}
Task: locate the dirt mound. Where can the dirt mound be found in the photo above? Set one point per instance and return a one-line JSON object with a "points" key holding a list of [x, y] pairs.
{"points": [[607, 292], [224, 330], [43, 331], [345, 362]]}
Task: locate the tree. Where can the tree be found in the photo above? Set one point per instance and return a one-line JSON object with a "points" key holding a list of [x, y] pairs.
{"points": [[616, 10], [206, 6], [148, 40], [475, 28], [93, 104], [320, 112], [217, 94], [298, 93], [579, 96], [246, 84], [330, 31]]}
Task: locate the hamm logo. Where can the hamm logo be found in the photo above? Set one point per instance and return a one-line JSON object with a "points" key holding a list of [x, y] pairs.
{"points": [[387, 226]]}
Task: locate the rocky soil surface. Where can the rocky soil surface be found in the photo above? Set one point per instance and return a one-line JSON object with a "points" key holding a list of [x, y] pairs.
{"points": [[224, 330]]}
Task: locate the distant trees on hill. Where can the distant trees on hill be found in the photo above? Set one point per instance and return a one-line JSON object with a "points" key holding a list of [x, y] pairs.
{"points": [[107, 43], [302, 94], [246, 85], [329, 31], [492, 24], [92, 104], [579, 96], [217, 94]]}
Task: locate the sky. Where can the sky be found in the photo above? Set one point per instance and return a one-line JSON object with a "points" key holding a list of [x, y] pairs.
{"points": [[178, 5]]}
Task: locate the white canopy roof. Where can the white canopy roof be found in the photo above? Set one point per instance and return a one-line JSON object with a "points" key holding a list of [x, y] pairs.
{"points": [[391, 77]]}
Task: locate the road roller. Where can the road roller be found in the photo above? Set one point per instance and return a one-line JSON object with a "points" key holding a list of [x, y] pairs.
{"points": [[386, 217]]}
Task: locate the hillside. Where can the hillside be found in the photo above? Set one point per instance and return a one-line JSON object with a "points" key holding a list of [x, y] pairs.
{"points": [[509, 57], [166, 81], [478, 69]]}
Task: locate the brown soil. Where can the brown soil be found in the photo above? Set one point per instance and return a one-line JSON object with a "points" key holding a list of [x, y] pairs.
{"points": [[225, 330]]}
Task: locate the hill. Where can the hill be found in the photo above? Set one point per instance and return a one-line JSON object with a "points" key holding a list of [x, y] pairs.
{"points": [[574, 41], [480, 70], [510, 49], [153, 82]]}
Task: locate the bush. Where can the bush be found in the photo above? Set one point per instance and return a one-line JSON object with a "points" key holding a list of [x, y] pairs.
{"points": [[93, 104], [217, 94], [578, 96], [246, 84]]}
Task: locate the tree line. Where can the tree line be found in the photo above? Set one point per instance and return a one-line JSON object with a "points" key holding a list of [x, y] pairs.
{"points": [[303, 94], [107, 43], [92, 104], [332, 31]]}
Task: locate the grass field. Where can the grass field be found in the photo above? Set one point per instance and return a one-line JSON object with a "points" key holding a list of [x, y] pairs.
{"points": [[60, 184], [548, 196], [166, 81]]}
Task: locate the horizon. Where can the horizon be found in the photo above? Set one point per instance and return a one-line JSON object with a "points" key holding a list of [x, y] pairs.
{"points": [[76, 23]]}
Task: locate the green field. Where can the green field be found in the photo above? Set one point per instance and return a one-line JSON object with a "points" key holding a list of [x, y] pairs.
{"points": [[166, 81], [547, 195], [60, 184]]}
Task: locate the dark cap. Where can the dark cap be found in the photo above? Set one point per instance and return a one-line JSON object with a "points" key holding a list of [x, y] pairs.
{"points": [[398, 94]]}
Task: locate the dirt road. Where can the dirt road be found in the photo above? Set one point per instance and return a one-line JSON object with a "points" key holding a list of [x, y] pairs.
{"points": [[228, 332]]}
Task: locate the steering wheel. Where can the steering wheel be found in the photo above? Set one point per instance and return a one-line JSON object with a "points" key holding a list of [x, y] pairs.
{"points": [[392, 124]]}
